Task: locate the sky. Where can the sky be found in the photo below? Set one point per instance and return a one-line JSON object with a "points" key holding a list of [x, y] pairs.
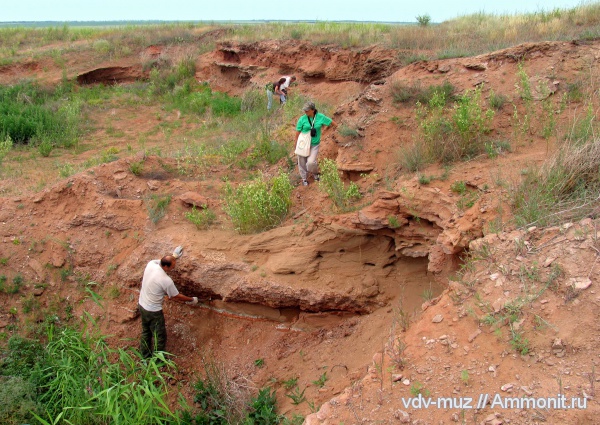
{"points": [[234, 10]]}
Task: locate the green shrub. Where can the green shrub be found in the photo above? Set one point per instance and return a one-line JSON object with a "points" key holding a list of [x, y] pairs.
{"points": [[202, 218], [263, 409], [259, 205], [45, 148], [18, 401], [424, 180], [21, 358], [29, 113], [451, 134], [66, 170], [423, 20], [136, 167], [186, 69], [331, 183], [459, 187], [6, 144]]}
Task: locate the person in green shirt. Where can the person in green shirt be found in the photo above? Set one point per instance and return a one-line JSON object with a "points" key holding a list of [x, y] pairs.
{"points": [[312, 119]]}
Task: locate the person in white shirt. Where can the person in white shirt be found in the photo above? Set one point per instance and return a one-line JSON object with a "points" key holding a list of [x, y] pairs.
{"points": [[289, 79], [156, 283]]}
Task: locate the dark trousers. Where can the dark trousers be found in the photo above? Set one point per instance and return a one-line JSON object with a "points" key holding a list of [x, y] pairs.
{"points": [[154, 332]]}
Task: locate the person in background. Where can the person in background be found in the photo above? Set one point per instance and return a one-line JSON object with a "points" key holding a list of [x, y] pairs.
{"points": [[274, 88], [284, 88], [155, 285], [312, 119]]}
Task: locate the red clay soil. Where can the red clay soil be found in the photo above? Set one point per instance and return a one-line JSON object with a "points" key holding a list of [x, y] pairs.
{"points": [[326, 292]]}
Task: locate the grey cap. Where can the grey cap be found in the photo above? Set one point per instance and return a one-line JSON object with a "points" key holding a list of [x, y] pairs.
{"points": [[309, 106]]}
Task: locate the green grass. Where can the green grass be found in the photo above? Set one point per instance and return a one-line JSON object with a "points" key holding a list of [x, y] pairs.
{"points": [[202, 218], [565, 187], [157, 205]]}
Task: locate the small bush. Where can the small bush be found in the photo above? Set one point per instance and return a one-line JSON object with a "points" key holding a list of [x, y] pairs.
{"points": [[259, 205], [137, 168], [459, 187], [393, 222], [332, 184], [18, 401], [423, 20], [66, 170], [263, 409], [6, 144], [453, 134], [202, 218], [424, 180], [45, 148]]}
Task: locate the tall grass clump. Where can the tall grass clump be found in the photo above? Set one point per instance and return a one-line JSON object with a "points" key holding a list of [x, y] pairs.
{"points": [[157, 206], [260, 204], [565, 187], [76, 378], [222, 398], [331, 183]]}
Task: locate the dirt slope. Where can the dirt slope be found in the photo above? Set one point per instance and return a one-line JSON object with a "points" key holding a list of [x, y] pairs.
{"points": [[325, 292]]}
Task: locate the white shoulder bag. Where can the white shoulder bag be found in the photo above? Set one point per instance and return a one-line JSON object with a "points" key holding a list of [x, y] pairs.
{"points": [[303, 144], [304, 139]]}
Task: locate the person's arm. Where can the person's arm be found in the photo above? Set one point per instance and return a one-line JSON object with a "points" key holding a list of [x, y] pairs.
{"points": [[184, 298], [333, 125]]}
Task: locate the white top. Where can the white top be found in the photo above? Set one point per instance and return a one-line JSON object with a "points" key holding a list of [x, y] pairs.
{"points": [[156, 283], [285, 85]]}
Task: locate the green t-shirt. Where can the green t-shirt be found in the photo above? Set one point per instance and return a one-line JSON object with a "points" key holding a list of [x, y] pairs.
{"points": [[303, 126]]}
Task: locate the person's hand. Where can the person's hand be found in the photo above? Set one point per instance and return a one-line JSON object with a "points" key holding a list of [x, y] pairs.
{"points": [[194, 301], [178, 252]]}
